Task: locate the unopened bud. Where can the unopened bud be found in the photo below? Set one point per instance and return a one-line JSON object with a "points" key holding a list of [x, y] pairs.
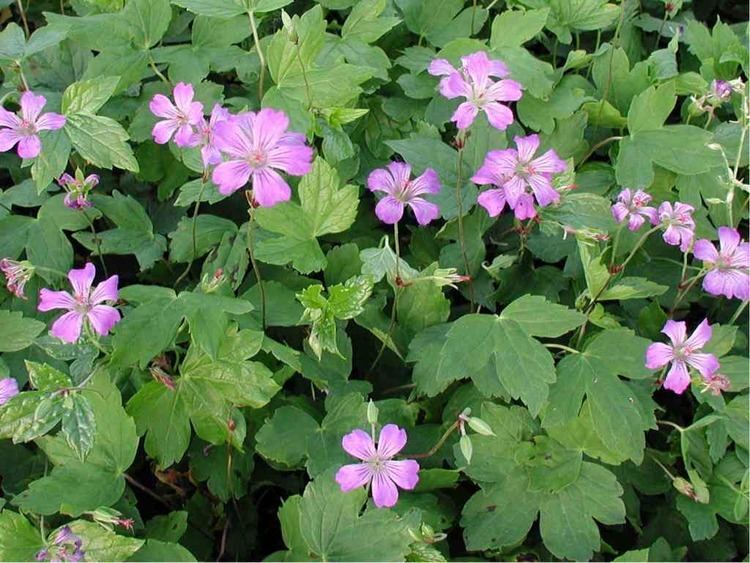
{"points": [[372, 413], [480, 426], [466, 448]]}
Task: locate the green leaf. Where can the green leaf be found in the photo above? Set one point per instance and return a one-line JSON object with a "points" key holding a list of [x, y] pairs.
{"points": [[212, 8], [103, 544], [100, 140], [168, 527], [29, 415], [650, 109], [53, 159], [79, 425], [568, 16], [17, 332], [19, 540], [283, 438], [513, 28], [156, 550], [148, 21], [539, 317], [46, 378], [88, 96], [366, 23], [441, 21], [12, 43], [209, 231], [632, 288]]}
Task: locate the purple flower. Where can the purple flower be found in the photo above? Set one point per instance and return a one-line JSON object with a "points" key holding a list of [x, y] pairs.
{"points": [[721, 90], [24, 128], [65, 547], [473, 82], [83, 304], [179, 118], [16, 275], [42, 555], [8, 389], [683, 352], [257, 144], [65, 535], [378, 466], [77, 189], [729, 273], [680, 227], [520, 177], [634, 207], [209, 151], [395, 181]]}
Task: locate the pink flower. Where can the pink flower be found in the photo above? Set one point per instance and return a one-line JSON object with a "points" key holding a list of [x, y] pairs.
{"points": [[680, 227], [16, 275], [83, 304], [716, 384], [179, 118], [257, 144], [683, 352], [24, 128], [729, 273], [634, 207], [721, 90], [473, 82], [395, 181], [520, 177], [77, 189], [8, 389], [209, 151], [378, 467]]}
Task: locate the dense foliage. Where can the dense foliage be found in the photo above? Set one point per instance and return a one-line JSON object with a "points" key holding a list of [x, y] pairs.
{"points": [[373, 280]]}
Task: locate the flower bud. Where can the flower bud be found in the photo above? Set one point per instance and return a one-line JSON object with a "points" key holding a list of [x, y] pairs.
{"points": [[480, 426], [466, 448]]}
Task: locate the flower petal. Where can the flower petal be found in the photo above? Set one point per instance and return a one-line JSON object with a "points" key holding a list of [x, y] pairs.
{"points": [[440, 67], [465, 114], [454, 85], [358, 443], [268, 127], [499, 115], [527, 147], [384, 491], [701, 335], [729, 239], [380, 180], [505, 91], [8, 389], [81, 279], [427, 183], [620, 211], [29, 146], [543, 190], [9, 119], [183, 96], [103, 318], [676, 331], [68, 327], [635, 222], [105, 291], [8, 139], [353, 476], [230, 176], [524, 208], [658, 355], [493, 201], [234, 136], [186, 137], [389, 210], [678, 378], [31, 106], [404, 473], [392, 440], [424, 211], [291, 155], [706, 251], [161, 106], [401, 172], [477, 67], [269, 188], [706, 364], [50, 122], [549, 163], [163, 131], [49, 300]]}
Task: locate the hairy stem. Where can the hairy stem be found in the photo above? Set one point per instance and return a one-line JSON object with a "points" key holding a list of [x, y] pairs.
{"points": [[460, 217], [439, 443], [97, 242], [256, 270], [194, 233], [261, 58], [22, 13], [738, 312]]}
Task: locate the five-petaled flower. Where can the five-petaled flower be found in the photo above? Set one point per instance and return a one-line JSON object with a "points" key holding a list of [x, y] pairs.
{"points": [[377, 465], [520, 178], [210, 153], [633, 207], [474, 82], [682, 352], [257, 144], [77, 189], [395, 180], [8, 389], [679, 224], [84, 304], [16, 275], [24, 128], [729, 266], [180, 118]]}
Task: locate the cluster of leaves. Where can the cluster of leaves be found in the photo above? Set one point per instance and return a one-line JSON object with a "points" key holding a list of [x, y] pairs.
{"points": [[210, 420]]}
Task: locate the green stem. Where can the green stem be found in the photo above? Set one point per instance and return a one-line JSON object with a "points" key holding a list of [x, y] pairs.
{"points": [[738, 312], [194, 233], [439, 443], [461, 138], [638, 245], [562, 347], [261, 58], [157, 72], [615, 244], [97, 242], [597, 146], [308, 92], [256, 270], [22, 13], [661, 28], [672, 424], [396, 291]]}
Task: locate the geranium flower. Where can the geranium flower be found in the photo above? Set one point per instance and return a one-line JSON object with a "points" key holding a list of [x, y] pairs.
{"points": [[716, 384], [84, 304], [180, 118], [8, 389], [378, 466], [210, 153], [24, 128], [66, 546], [721, 90], [683, 352], [257, 144], [16, 275], [729, 273], [522, 178], [394, 180], [473, 82], [633, 207], [77, 189], [678, 220]]}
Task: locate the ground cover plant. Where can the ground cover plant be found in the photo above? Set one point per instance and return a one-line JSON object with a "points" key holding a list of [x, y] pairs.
{"points": [[373, 280]]}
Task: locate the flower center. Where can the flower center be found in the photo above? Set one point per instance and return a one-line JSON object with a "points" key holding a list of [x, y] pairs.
{"points": [[724, 262], [257, 159], [82, 305], [27, 128], [377, 464]]}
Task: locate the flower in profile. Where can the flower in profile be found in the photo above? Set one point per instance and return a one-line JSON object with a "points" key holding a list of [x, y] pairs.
{"points": [[210, 153], [716, 384], [66, 546], [180, 117], [473, 81], [633, 207], [77, 189], [16, 275], [8, 389], [395, 181], [84, 304], [377, 465], [24, 128], [681, 353], [257, 144], [520, 178], [679, 224], [729, 267], [721, 90]]}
